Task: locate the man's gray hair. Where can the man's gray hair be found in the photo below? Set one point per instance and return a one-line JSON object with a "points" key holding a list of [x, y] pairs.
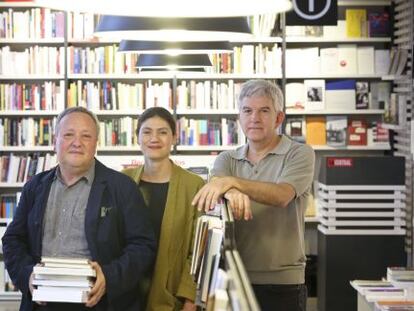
{"points": [[263, 88], [68, 111]]}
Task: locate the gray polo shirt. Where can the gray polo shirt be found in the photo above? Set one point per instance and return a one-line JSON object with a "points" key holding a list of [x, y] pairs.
{"points": [[272, 245], [64, 220]]}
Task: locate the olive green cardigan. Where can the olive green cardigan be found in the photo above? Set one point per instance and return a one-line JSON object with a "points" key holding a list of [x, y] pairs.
{"points": [[171, 278]]}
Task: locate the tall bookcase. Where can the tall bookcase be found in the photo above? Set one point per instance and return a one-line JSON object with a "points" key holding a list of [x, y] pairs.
{"points": [[185, 94]]}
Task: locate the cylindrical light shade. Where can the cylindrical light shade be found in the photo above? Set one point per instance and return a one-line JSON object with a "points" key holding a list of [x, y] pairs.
{"points": [[174, 48], [173, 29], [179, 61], [176, 8], [195, 70]]}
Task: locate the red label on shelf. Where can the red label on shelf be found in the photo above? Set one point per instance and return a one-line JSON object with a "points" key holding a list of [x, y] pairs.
{"points": [[340, 162]]}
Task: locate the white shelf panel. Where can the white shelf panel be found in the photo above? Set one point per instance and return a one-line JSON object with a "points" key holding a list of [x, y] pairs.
{"points": [[118, 112], [330, 76], [32, 41], [29, 113], [5, 221], [11, 185], [327, 231], [363, 2], [18, 4], [31, 77], [311, 219], [329, 112], [207, 112], [170, 75], [205, 148], [26, 148], [361, 148], [300, 39], [10, 296], [257, 39], [118, 148]]}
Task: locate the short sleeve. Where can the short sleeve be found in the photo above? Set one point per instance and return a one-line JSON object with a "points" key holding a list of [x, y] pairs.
{"points": [[298, 170]]}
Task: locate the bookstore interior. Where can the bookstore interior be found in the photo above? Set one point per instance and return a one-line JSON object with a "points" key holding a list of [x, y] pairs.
{"points": [[345, 68]]}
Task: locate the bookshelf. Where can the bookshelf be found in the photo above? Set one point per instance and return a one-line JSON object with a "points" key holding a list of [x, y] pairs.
{"points": [[78, 37]]}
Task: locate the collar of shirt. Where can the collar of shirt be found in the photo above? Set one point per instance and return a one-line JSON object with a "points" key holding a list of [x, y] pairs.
{"points": [[88, 176], [281, 148]]}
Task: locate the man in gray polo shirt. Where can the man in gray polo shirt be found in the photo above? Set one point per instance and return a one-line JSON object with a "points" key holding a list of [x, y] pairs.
{"points": [[266, 183], [82, 209]]}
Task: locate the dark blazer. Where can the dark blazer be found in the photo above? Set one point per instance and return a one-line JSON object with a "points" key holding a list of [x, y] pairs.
{"points": [[118, 232]]}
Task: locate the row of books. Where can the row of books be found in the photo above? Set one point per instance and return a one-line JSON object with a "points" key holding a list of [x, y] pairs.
{"points": [[249, 59], [206, 253], [8, 204], [35, 23], [207, 95], [337, 131], [118, 132], [262, 25], [108, 95], [36, 96], [358, 23], [19, 169], [395, 292], [27, 131], [100, 60], [345, 59], [349, 94], [33, 60], [192, 132]]}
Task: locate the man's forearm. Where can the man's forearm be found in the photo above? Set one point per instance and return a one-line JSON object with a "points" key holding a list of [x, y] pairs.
{"points": [[278, 195]]}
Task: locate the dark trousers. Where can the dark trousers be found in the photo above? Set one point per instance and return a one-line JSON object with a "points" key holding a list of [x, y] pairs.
{"points": [[281, 297]]}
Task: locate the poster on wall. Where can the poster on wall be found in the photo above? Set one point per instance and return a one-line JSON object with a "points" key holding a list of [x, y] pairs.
{"points": [[313, 12]]}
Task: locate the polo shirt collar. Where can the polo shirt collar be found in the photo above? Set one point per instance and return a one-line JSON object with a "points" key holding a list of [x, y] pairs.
{"points": [[281, 148]]}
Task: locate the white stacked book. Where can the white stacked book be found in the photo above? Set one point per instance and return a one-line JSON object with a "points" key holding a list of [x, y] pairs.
{"points": [[63, 280]]}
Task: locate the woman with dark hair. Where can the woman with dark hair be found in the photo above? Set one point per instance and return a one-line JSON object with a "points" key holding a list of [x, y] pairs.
{"points": [[168, 191]]}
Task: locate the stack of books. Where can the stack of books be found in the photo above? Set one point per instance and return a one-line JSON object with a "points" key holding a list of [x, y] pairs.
{"points": [[63, 280]]}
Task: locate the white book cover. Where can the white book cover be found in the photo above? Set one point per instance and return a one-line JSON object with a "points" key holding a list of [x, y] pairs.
{"points": [[315, 94], [64, 271], [329, 61], [347, 59], [366, 59], [294, 62], [60, 296], [311, 57], [71, 283], [295, 96], [382, 62]]}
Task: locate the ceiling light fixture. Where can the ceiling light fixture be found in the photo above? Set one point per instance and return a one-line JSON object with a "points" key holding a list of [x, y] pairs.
{"points": [[172, 29], [173, 62], [174, 48], [176, 8]]}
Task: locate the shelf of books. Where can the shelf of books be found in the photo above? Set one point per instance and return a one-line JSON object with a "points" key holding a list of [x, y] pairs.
{"points": [[222, 282], [338, 85]]}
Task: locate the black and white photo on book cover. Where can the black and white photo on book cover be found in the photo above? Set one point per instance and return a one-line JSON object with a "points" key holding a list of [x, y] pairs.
{"points": [[362, 95], [315, 94]]}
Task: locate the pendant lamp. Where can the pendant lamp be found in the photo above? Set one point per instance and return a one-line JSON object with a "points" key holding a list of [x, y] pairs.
{"points": [[174, 48], [173, 29], [165, 8], [172, 62]]}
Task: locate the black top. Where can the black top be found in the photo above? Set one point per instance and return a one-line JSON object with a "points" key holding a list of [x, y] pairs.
{"points": [[155, 195]]}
